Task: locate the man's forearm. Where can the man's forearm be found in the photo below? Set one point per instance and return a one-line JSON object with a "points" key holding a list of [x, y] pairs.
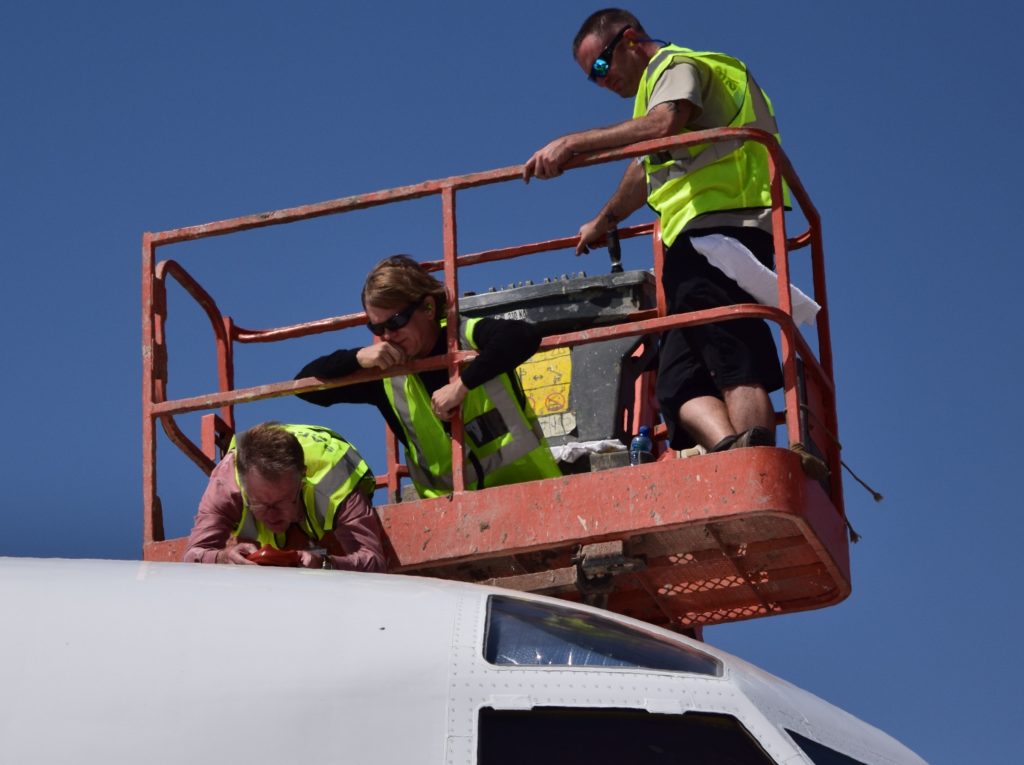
{"points": [[359, 534], [663, 120], [660, 123], [503, 345], [207, 542], [220, 510], [628, 197], [196, 553]]}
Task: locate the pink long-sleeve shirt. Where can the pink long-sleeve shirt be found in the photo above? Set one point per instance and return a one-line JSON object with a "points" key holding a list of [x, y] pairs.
{"points": [[357, 528]]}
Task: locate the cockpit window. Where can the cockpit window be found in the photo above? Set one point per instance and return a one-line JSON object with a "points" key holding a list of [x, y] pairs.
{"points": [[556, 736], [526, 633], [821, 754]]}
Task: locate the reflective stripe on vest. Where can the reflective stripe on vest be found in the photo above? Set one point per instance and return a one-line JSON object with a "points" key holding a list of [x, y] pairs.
{"points": [[397, 388], [499, 432], [330, 478], [685, 182]]}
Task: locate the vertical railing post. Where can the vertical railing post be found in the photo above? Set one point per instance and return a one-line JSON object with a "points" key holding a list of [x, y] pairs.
{"points": [[788, 346], [821, 297], [658, 251], [825, 359], [152, 516], [391, 452], [451, 280], [226, 369]]}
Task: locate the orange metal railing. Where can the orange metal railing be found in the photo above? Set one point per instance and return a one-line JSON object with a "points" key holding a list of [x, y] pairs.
{"points": [[820, 407]]}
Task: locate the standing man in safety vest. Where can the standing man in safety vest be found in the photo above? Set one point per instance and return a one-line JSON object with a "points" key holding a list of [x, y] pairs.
{"points": [[714, 379], [289, 487], [405, 307]]}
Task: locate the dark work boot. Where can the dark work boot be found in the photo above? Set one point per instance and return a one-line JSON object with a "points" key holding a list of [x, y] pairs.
{"points": [[756, 436], [723, 445]]}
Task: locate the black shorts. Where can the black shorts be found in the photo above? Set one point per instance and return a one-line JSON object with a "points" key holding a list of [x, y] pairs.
{"points": [[703, 360]]}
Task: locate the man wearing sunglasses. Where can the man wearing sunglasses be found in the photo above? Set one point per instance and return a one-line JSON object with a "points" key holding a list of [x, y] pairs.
{"points": [[713, 380], [298, 488], [405, 309]]}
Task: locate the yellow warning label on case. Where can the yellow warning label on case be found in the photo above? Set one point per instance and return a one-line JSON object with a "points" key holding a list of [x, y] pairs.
{"points": [[546, 379]]}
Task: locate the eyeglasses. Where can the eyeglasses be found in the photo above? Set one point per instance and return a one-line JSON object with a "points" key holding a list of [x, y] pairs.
{"points": [[280, 505], [396, 321], [603, 63]]}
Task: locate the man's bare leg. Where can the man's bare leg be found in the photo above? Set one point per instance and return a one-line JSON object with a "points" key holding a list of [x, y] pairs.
{"points": [[707, 420], [749, 406]]}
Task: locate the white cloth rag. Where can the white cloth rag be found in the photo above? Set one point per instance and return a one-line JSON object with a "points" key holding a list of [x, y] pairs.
{"points": [[574, 450], [733, 259]]}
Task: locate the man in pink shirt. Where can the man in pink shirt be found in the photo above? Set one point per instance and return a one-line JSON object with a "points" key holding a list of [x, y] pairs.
{"points": [[289, 487]]}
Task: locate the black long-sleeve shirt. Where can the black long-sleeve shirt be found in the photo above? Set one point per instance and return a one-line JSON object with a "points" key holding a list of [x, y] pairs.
{"points": [[502, 344]]}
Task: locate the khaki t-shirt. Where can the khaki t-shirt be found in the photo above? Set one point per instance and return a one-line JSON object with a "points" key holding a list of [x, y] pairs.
{"points": [[713, 107]]}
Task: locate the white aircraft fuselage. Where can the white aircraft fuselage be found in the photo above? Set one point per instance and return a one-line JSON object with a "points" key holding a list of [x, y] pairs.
{"points": [[129, 662]]}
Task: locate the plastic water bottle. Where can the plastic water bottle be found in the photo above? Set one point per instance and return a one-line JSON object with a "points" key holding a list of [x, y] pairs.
{"points": [[639, 446]]}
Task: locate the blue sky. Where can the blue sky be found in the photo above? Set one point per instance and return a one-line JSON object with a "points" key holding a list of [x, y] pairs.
{"points": [[123, 117]]}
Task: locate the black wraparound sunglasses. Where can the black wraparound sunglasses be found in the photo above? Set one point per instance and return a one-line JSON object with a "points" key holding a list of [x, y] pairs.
{"points": [[396, 321], [599, 69]]}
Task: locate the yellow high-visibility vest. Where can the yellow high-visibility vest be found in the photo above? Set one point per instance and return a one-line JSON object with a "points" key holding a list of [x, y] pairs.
{"points": [[334, 469], [712, 177], [502, 437]]}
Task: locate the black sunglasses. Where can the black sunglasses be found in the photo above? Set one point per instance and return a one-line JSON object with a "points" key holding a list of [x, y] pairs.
{"points": [[396, 321], [599, 69]]}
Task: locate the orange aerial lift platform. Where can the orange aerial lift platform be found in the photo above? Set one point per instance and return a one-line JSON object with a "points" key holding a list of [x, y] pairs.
{"points": [[678, 542]]}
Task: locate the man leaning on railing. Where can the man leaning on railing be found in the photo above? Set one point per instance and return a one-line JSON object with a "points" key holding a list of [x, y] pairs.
{"points": [[714, 379]]}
